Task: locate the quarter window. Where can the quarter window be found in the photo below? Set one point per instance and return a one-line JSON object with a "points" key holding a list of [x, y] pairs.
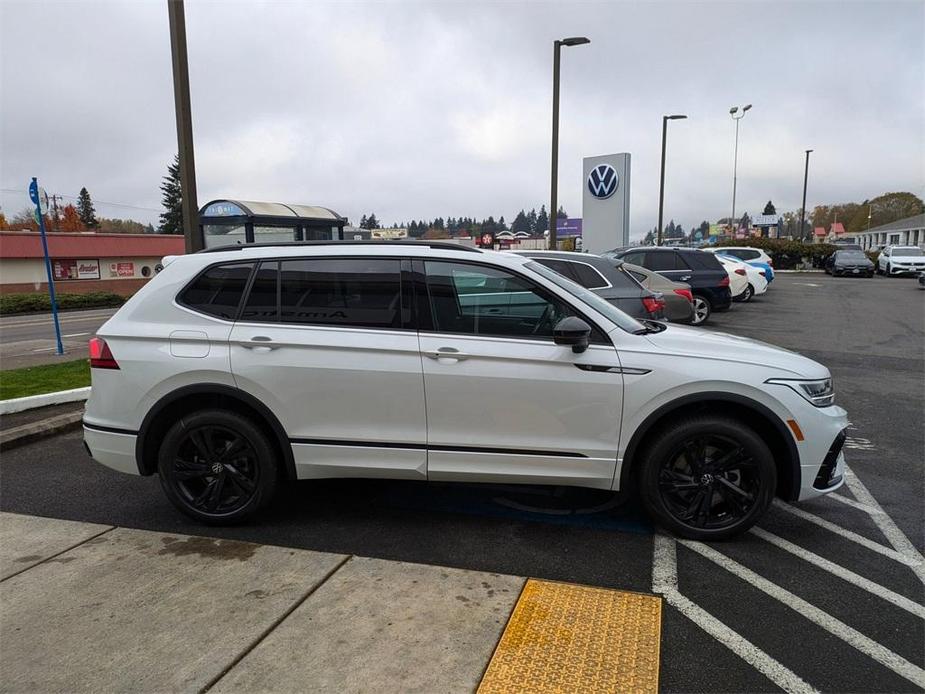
{"points": [[479, 300], [218, 291], [588, 277]]}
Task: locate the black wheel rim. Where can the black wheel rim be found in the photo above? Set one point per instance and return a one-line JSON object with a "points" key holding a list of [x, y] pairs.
{"points": [[709, 482], [215, 470]]}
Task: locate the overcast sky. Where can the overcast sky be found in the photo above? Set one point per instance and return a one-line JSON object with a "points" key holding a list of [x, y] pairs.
{"points": [[414, 110]]}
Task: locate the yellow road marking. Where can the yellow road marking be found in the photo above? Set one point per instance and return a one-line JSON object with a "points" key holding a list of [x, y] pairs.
{"points": [[570, 638]]}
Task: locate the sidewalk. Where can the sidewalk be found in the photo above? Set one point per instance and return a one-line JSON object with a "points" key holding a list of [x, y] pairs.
{"points": [[87, 607]]}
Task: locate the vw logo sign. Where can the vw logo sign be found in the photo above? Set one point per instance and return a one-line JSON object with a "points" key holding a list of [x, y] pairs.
{"points": [[603, 181]]}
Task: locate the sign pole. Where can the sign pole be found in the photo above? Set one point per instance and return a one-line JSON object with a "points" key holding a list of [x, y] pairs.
{"points": [[36, 194]]}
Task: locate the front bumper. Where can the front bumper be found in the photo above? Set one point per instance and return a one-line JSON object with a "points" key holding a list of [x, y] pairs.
{"points": [[906, 269], [853, 271], [822, 458], [115, 450]]}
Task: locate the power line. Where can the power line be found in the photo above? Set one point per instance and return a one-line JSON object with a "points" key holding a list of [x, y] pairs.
{"points": [[95, 201]]}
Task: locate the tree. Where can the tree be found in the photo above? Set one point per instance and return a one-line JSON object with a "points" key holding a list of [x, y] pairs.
{"points": [[649, 239], [85, 210], [501, 225], [562, 213], [884, 209], [172, 200], [71, 220], [520, 223], [769, 208], [542, 221], [531, 221]]}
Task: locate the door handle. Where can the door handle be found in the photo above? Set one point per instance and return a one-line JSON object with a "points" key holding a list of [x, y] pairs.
{"points": [[259, 343], [446, 353]]}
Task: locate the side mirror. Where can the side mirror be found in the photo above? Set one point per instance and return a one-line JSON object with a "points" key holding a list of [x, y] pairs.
{"points": [[572, 331]]}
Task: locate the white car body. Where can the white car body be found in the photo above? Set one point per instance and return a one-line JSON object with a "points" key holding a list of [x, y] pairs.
{"points": [[743, 253], [753, 275], [901, 260], [350, 401], [738, 281]]}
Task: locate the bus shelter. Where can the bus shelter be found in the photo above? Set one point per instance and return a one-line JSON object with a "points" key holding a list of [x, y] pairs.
{"points": [[228, 222]]}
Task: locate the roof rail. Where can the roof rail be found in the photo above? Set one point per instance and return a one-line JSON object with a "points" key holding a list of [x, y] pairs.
{"points": [[445, 245]]}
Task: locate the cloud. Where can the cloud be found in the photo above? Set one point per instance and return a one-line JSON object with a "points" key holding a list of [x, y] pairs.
{"points": [[420, 109]]}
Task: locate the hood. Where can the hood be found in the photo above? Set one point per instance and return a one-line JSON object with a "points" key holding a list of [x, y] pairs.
{"points": [[853, 261], [705, 344]]}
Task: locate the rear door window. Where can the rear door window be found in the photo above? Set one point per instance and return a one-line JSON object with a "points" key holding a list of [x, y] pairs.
{"points": [[218, 290], [700, 260], [563, 267], [262, 303], [345, 292], [664, 260]]}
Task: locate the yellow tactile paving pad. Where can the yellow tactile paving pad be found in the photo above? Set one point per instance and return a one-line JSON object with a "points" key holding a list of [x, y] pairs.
{"points": [[569, 638]]}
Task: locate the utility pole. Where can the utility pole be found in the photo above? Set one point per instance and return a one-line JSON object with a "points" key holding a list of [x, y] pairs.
{"points": [[661, 186], [803, 207], [181, 97], [735, 161]]}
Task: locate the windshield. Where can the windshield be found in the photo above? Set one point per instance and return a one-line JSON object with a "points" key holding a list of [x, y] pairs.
{"points": [[605, 308], [851, 255], [912, 250]]}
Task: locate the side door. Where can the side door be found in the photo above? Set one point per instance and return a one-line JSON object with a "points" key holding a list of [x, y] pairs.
{"points": [[328, 345], [669, 264], [504, 402]]}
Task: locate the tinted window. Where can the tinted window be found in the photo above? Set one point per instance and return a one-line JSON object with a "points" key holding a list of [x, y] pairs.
{"points": [[480, 300], [588, 277], [218, 290], [355, 292], [636, 258], [664, 260], [563, 267], [640, 277], [699, 260], [263, 300]]}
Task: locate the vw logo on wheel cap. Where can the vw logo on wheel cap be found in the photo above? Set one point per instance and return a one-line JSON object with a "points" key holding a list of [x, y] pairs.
{"points": [[603, 181]]}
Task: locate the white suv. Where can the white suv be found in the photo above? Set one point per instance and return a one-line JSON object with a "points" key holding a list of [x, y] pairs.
{"points": [[236, 368]]}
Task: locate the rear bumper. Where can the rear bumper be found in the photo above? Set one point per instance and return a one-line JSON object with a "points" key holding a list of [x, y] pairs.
{"points": [[114, 449]]}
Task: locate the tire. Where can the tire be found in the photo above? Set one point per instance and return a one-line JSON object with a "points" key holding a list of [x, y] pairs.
{"points": [[703, 309], [748, 294], [698, 499], [888, 271], [217, 467]]}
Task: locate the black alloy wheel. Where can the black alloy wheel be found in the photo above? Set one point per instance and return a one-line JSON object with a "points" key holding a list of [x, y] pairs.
{"points": [[217, 466], [708, 478]]}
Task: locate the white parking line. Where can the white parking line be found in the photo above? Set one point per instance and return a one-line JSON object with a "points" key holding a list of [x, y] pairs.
{"points": [[900, 601], [891, 531], [845, 533], [75, 335], [854, 504], [849, 635], [665, 581]]}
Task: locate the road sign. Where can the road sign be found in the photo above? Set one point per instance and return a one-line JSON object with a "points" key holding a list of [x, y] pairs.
{"points": [[38, 196]]}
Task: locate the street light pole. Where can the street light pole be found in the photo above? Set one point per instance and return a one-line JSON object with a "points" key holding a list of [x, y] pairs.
{"points": [[735, 160], [661, 186], [803, 206], [553, 194], [175, 13]]}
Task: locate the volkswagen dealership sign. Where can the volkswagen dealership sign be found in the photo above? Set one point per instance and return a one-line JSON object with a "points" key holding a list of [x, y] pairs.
{"points": [[603, 181], [606, 202]]}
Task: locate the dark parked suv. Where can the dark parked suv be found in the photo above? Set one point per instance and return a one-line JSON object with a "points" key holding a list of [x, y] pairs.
{"points": [[702, 271]]}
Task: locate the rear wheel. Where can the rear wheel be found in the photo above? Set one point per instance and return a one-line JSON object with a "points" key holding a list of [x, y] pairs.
{"points": [[702, 310], [748, 293], [217, 467], [707, 478]]}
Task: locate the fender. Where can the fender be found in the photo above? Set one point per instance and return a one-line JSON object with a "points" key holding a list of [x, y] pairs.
{"points": [[217, 389], [714, 396]]}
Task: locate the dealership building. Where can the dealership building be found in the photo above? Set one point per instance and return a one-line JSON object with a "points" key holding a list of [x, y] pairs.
{"points": [[83, 262]]}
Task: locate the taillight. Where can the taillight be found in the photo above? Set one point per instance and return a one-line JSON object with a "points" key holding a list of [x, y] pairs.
{"points": [[770, 263], [686, 293], [653, 304], [100, 355], [724, 282], [762, 273], [740, 271]]}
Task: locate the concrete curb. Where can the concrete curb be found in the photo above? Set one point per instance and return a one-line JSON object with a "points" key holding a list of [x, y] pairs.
{"points": [[32, 401], [18, 436]]}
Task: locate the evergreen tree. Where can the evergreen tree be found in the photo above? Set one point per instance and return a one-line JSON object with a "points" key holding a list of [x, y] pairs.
{"points": [[649, 240], [520, 222], [769, 208], [562, 213], [172, 200], [85, 210], [542, 220], [501, 225], [363, 222], [531, 221], [371, 221]]}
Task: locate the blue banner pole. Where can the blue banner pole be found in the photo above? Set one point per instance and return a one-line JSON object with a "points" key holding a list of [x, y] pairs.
{"points": [[40, 217]]}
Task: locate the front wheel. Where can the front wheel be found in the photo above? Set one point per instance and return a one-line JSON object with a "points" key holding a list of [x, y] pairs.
{"points": [[707, 478], [702, 310], [217, 467]]}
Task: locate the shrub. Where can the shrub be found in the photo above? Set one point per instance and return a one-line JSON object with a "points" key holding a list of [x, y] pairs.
{"points": [[787, 255], [35, 302]]}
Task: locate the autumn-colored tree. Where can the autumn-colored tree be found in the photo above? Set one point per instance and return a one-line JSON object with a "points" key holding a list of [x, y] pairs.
{"points": [[884, 209], [3, 223], [70, 220]]}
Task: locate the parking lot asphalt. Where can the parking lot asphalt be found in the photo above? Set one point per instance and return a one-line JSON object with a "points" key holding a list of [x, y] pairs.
{"points": [[823, 595], [29, 340]]}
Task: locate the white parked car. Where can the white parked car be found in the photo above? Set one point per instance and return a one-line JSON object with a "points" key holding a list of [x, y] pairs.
{"points": [[744, 253], [235, 369], [738, 277], [900, 260], [756, 281]]}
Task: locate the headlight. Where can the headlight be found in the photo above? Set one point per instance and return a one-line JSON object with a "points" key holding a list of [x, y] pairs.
{"points": [[820, 392]]}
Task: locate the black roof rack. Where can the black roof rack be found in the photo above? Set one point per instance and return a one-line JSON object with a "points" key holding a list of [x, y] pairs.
{"points": [[445, 245]]}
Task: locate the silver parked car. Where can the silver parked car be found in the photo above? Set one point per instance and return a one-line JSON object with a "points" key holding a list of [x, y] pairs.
{"points": [[679, 301]]}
